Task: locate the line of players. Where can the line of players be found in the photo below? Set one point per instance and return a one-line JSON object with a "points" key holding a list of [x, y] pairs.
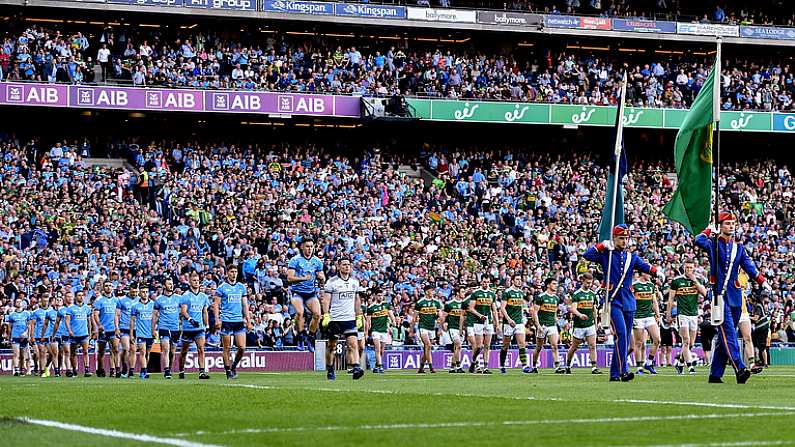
{"points": [[479, 316], [127, 327]]}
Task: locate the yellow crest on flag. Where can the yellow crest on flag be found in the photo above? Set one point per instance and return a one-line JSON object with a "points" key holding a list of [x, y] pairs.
{"points": [[706, 151]]}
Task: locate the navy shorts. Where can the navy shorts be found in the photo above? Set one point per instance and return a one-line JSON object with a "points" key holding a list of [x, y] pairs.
{"points": [[145, 341], [232, 327], [192, 336], [106, 337], [20, 341], [43, 341], [124, 332], [305, 296], [342, 328], [79, 340], [62, 339], [166, 334]]}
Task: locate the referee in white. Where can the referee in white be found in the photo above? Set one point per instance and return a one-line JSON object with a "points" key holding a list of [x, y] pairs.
{"points": [[342, 315]]}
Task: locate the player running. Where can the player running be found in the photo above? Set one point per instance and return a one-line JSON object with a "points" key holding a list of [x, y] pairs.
{"points": [[342, 308], [583, 304], [62, 335], [124, 307], [231, 304], [78, 320], [20, 324], [379, 316], [426, 314], [165, 322], [141, 331], [194, 305], [305, 273], [686, 289], [647, 314], [105, 329], [514, 301], [481, 309], [545, 315], [454, 321], [42, 341]]}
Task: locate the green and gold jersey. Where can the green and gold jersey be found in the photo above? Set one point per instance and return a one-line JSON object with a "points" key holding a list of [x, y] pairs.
{"points": [[548, 309], [379, 317], [514, 300], [585, 302], [686, 296], [428, 308], [454, 309], [644, 296], [483, 300]]}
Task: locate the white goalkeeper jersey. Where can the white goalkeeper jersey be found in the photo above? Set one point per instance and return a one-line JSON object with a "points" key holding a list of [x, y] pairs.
{"points": [[343, 297]]}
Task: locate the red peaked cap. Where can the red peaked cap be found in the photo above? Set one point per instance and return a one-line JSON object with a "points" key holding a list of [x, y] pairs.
{"points": [[621, 230], [726, 215]]}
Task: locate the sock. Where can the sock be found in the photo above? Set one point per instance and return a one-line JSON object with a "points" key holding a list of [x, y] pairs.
{"points": [[329, 368], [226, 368], [57, 370], [113, 371], [523, 356], [355, 366], [557, 364], [503, 357]]}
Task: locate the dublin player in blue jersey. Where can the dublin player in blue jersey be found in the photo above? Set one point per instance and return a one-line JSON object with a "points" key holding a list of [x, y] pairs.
{"points": [[141, 330], [231, 304], [20, 324], [124, 307], [49, 334], [304, 273], [105, 329], [193, 309], [62, 335], [165, 319], [78, 320], [40, 317]]}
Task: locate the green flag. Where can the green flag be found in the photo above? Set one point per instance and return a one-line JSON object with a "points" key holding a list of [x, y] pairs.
{"points": [[691, 202]]}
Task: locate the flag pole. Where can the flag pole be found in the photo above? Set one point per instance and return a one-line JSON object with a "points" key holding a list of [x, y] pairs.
{"points": [[617, 156], [717, 302]]}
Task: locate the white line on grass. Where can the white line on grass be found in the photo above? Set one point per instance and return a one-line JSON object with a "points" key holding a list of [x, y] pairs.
{"points": [[114, 433], [725, 444], [702, 404], [468, 424]]}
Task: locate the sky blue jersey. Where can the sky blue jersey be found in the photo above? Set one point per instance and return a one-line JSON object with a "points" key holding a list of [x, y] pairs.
{"points": [[304, 267], [168, 308], [231, 307], [143, 319], [196, 303]]}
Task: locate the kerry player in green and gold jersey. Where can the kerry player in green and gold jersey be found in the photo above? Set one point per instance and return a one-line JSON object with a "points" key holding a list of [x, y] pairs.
{"points": [[379, 315], [426, 313], [545, 314], [514, 301], [583, 305], [686, 289], [647, 315], [481, 313], [454, 321]]}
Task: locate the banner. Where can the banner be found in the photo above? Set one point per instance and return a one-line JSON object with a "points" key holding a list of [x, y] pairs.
{"points": [[578, 115], [149, 2], [131, 98], [297, 6], [240, 5], [508, 18], [708, 29], [441, 15], [441, 359], [367, 10], [767, 32], [558, 21], [252, 361], [644, 26]]}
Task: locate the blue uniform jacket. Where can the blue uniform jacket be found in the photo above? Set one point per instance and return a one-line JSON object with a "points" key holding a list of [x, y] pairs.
{"points": [[733, 294], [624, 299]]}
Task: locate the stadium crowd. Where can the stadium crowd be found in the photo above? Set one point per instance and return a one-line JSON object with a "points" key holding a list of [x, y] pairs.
{"points": [[278, 62], [65, 226]]}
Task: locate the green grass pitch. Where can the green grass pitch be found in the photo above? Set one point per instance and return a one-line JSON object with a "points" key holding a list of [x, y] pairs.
{"points": [[401, 409]]}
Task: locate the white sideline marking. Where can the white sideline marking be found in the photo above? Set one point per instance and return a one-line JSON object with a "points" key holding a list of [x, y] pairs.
{"points": [[115, 433], [482, 424], [726, 444], [703, 404]]}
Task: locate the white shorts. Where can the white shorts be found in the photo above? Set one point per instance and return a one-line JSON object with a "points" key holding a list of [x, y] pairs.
{"points": [[483, 329], [360, 336], [454, 335], [380, 336], [508, 331], [744, 317], [546, 332], [643, 323], [687, 322], [582, 333], [429, 332]]}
